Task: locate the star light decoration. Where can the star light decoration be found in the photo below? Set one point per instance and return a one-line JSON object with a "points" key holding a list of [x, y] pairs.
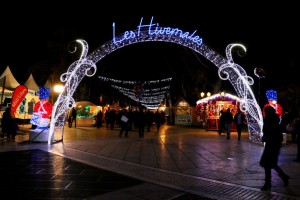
{"points": [[152, 32]]}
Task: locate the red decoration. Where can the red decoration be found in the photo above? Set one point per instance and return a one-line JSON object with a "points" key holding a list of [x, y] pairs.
{"points": [[18, 95], [276, 106], [44, 107]]}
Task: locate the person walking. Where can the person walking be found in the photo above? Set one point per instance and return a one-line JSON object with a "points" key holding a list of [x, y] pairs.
{"points": [[124, 120], [228, 118], [296, 123], [98, 119], [141, 122], [69, 118], [106, 116], [7, 123], [238, 119], [221, 121], [149, 119], [157, 120], [74, 115], [272, 137]]}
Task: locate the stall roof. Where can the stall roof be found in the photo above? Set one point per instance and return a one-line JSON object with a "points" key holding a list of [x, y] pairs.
{"points": [[180, 100], [216, 97], [10, 82]]}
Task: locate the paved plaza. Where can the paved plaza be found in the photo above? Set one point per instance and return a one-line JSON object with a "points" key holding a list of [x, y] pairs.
{"points": [[177, 163]]}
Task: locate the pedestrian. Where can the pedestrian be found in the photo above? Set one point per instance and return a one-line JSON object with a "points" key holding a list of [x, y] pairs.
{"points": [[124, 120], [99, 117], [272, 137], [141, 121], [112, 118], [157, 120], [7, 123], [106, 115], [221, 121], [238, 119], [228, 118], [69, 117], [296, 123], [149, 120], [74, 115]]}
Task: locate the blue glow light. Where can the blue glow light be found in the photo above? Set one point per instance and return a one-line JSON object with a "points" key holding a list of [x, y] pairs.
{"points": [[271, 95], [156, 30]]}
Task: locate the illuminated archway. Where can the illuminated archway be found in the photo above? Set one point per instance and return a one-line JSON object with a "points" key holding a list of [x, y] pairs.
{"points": [[227, 70]]}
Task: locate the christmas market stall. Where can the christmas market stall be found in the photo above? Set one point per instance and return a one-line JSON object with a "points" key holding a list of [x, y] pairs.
{"points": [[183, 112], [208, 109]]}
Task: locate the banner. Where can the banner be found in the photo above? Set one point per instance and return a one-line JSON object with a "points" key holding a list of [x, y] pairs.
{"points": [[18, 95]]}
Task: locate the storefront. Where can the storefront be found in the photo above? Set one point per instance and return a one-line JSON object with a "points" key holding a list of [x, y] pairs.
{"points": [[208, 109]]}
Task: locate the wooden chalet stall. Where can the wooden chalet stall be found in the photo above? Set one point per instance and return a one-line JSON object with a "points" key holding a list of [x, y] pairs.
{"points": [[208, 109], [183, 112]]}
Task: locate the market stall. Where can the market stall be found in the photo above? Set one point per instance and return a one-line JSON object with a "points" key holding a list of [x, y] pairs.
{"points": [[183, 112], [208, 109]]}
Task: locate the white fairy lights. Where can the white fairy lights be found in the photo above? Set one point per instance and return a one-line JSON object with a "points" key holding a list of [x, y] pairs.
{"points": [[152, 32], [150, 96]]}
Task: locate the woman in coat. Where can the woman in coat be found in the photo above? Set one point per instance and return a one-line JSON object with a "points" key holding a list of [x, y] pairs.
{"points": [[272, 136]]}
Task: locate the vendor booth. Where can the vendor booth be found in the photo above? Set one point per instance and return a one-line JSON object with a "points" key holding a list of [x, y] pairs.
{"points": [[183, 113], [208, 109]]}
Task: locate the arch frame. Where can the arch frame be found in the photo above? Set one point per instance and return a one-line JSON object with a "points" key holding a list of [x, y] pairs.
{"points": [[227, 70]]}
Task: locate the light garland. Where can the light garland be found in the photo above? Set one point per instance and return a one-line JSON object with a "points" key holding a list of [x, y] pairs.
{"points": [[217, 96], [152, 32], [141, 92]]}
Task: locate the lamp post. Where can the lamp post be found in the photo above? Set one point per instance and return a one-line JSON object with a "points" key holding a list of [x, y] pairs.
{"points": [[260, 73]]}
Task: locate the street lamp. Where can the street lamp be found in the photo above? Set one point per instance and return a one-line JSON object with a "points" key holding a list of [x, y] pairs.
{"points": [[202, 94], [260, 73], [222, 95], [58, 89]]}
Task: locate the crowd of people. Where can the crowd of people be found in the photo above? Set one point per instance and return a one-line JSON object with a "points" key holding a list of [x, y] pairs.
{"points": [[146, 120], [127, 120]]}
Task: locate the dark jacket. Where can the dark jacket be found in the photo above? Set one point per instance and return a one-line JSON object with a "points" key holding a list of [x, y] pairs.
{"points": [[235, 118], [227, 117], [7, 122], [272, 136]]}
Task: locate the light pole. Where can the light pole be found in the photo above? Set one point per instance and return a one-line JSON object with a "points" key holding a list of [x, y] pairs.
{"points": [[260, 73]]}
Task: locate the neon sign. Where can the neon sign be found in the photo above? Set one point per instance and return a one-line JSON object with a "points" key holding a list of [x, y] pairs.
{"points": [[155, 29]]}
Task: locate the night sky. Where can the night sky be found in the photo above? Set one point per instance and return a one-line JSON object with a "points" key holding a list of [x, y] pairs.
{"points": [[270, 34]]}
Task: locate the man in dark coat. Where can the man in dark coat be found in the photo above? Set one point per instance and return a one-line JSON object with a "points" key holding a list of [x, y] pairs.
{"points": [[239, 118]]}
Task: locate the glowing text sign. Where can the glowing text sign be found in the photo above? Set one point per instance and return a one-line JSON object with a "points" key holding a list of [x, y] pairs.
{"points": [[154, 29]]}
